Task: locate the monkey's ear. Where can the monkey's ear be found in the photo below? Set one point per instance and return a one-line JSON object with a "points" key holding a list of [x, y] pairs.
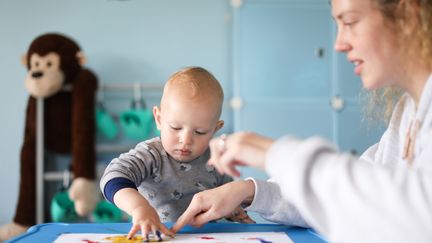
{"points": [[24, 60], [81, 58]]}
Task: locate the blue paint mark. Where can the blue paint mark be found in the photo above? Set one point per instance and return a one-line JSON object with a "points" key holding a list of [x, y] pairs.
{"points": [[263, 241]]}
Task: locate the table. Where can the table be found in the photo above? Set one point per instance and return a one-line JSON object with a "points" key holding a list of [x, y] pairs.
{"points": [[49, 232]]}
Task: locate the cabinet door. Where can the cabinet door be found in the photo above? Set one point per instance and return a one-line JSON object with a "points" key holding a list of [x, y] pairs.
{"points": [[283, 69]]}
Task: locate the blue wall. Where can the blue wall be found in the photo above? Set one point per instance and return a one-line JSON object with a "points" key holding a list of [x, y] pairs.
{"points": [[125, 41]]}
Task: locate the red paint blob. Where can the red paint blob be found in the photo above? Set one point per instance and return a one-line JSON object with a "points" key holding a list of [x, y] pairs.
{"points": [[207, 238]]}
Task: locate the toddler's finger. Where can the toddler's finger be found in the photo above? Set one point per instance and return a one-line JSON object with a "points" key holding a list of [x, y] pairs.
{"points": [[156, 233], [145, 230], [135, 228]]}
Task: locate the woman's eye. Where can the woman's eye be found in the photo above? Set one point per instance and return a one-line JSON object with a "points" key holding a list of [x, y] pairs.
{"points": [[200, 133], [349, 23], [49, 64]]}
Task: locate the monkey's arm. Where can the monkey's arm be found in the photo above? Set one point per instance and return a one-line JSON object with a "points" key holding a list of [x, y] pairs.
{"points": [[26, 210], [83, 125], [83, 190]]}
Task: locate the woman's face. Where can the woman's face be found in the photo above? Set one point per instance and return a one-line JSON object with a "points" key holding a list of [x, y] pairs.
{"points": [[367, 41]]}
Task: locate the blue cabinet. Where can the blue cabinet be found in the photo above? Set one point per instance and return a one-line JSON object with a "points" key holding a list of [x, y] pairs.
{"points": [[287, 78]]}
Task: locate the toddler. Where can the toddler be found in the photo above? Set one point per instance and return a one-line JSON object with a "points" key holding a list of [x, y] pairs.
{"points": [[155, 181]]}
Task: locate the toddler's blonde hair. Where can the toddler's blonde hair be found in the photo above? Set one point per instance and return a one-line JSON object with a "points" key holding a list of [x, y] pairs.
{"points": [[196, 83]]}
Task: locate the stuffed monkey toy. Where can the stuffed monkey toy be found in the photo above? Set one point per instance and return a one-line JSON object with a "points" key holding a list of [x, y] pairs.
{"points": [[55, 62]]}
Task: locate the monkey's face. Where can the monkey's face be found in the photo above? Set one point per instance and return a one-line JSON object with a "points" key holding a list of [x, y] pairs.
{"points": [[45, 76]]}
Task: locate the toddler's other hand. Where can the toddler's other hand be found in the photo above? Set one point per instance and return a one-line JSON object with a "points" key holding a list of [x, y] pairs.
{"points": [[241, 216]]}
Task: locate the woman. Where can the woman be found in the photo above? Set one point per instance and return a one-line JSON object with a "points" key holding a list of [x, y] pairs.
{"points": [[383, 196]]}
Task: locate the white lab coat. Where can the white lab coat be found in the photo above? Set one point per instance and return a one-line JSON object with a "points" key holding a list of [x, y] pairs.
{"points": [[375, 198]]}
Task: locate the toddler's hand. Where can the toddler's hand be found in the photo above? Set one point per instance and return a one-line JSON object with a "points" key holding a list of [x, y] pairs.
{"points": [[241, 216], [146, 219]]}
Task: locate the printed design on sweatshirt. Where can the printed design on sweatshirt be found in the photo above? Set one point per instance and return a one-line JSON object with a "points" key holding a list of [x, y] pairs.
{"points": [[151, 195], [209, 168], [164, 215], [200, 186], [176, 195], [156, 176], [185, 167]]}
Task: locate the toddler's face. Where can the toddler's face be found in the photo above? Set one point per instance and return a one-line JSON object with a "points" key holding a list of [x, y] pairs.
{"points": [[186, 126]]}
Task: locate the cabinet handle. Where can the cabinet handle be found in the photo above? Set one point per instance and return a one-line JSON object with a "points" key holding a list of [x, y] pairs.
{"points": [[236, 3], [319, 52], [337, 103], [236, 103]]}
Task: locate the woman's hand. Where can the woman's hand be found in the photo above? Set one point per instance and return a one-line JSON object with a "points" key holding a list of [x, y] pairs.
{"points": [[216, 203], [241, 148]]}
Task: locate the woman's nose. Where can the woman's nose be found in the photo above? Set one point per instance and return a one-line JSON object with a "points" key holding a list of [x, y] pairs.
{"points": [[341, 44]]}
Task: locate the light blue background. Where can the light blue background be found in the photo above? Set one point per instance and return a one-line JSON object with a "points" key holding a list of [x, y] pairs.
{"points": [[124, 41], [145, 41]]}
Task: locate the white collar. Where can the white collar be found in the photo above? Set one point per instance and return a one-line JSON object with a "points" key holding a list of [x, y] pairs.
{"points": [[425, 101]]}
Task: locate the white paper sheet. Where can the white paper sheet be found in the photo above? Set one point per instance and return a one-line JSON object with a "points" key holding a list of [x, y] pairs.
{"points": [[243, 237]]}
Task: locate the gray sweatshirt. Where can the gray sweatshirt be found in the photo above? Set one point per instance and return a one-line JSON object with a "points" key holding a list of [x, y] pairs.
{"points": [[167, 184]]}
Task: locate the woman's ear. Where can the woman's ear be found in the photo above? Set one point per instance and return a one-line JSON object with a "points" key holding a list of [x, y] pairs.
{"points": [[157, 116], [219, 125]]}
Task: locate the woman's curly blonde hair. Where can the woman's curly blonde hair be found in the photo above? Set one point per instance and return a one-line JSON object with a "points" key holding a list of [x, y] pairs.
{"points": [[411, 23]]}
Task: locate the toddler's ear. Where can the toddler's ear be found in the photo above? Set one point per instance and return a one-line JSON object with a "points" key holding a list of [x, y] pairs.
{"points": [[219, 125], [156, 115]]}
